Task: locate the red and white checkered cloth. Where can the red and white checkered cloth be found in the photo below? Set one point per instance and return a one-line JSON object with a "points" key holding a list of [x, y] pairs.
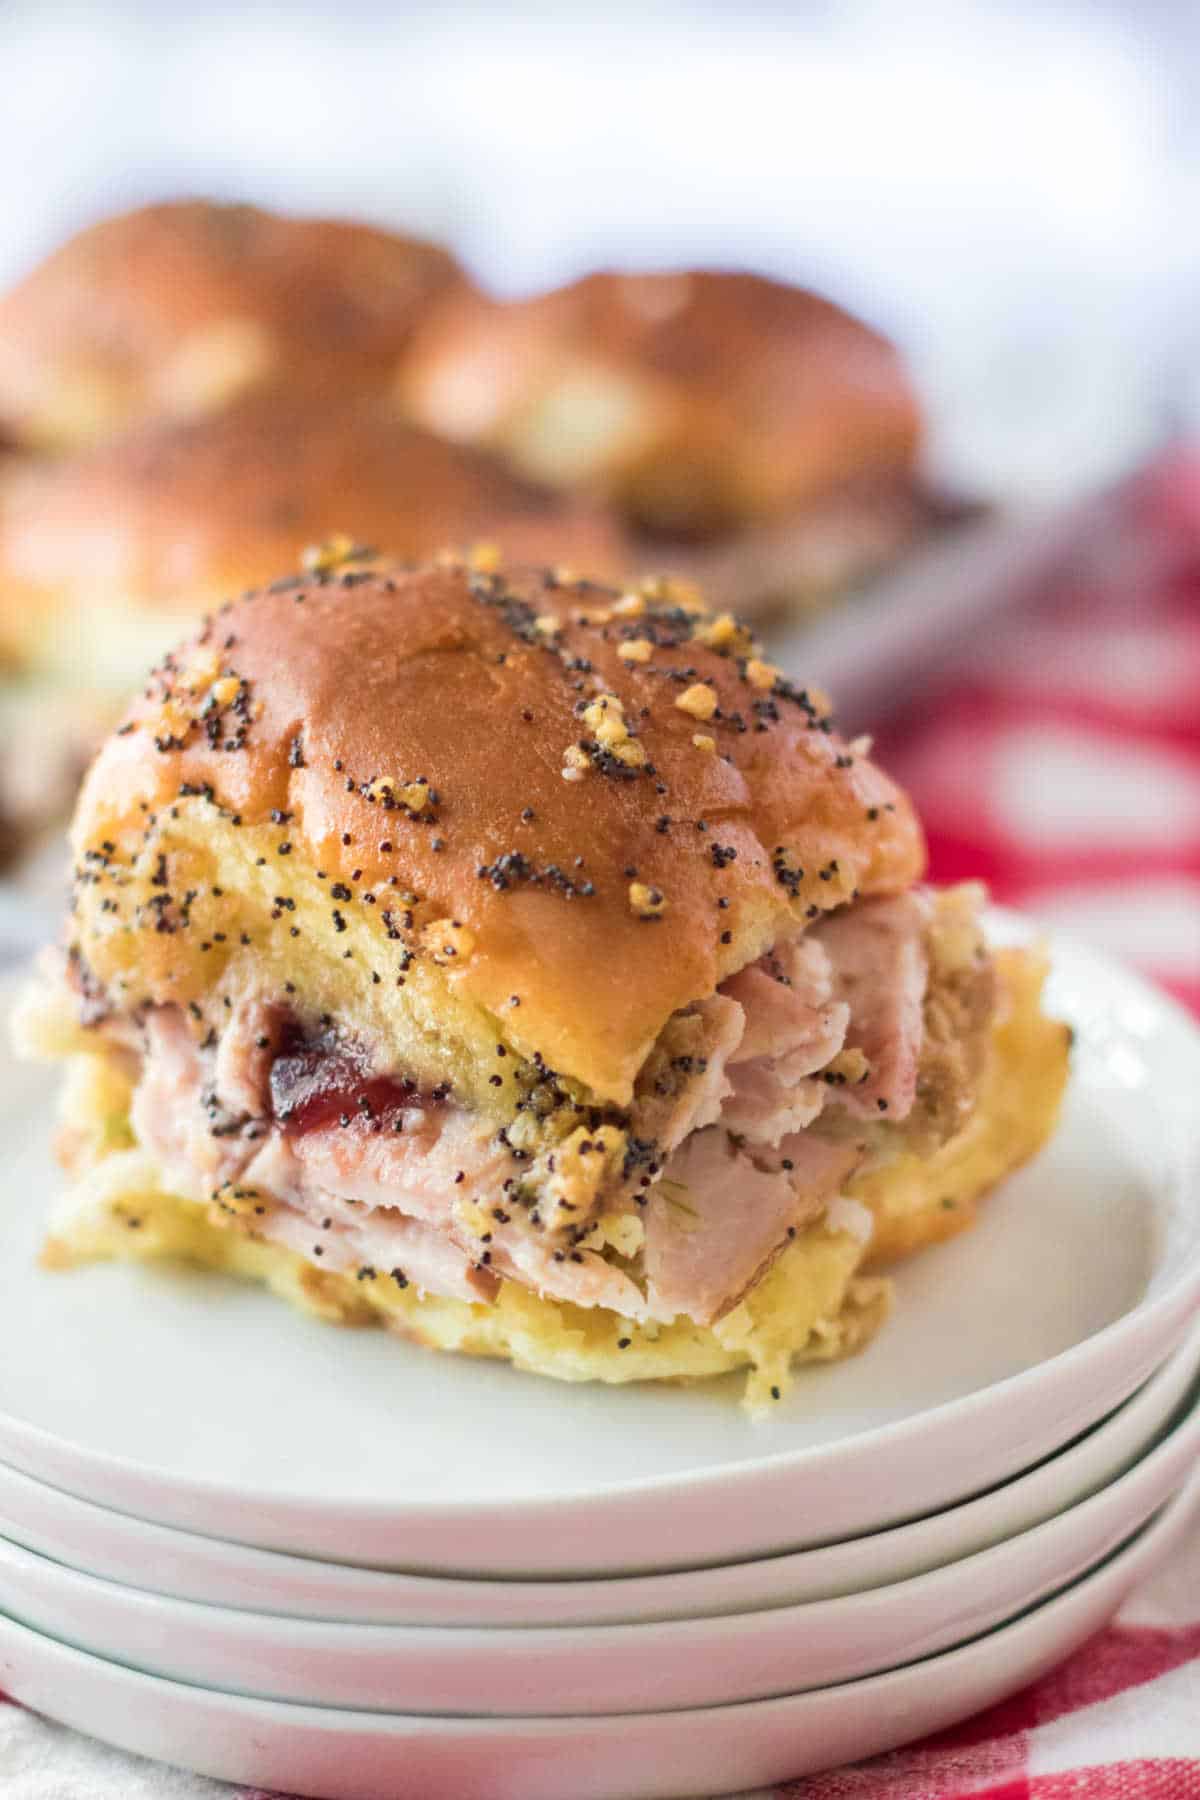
{"points": [[1061, 763], [1060, 760]]}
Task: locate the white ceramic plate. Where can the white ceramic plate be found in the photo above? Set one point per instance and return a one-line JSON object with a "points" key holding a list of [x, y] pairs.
{"points": [[185, 1566], [341, 1755], [206, 1405], [592, 1669]]}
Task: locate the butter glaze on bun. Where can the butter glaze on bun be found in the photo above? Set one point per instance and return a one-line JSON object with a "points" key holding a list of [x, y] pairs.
{"points": [[602, 806], [701, 402], [108, 555], [178, 307]]}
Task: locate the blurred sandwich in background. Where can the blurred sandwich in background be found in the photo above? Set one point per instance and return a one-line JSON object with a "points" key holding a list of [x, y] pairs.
{"points": [[178, 308], [752, 435], [108, 555]]}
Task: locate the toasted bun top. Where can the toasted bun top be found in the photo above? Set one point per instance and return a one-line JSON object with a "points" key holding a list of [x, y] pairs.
{"points": [[178, 515], [174, 308], [700, 401], [406, 733]]}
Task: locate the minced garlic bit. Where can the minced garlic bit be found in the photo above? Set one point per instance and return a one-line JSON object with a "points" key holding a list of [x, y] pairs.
{"points": [[576, 763], [820, 699], [174, 719], [605, 718], [646, 902], [723, 633], [577, 1172], [319, 559], [202, 667], [475, 1217], [761, 674], [414, 797], [629, 606], [225, 690], [637, 650], [485, 559], [849, 1065], [703, 742], [671, 590], [622, 1232], [447, 941], [700, 700], [861, 746], [547, 625]]}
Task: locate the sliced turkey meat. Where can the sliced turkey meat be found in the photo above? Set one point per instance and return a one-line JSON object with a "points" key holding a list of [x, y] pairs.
{"points": [[429, 1161], [385, 1243], [719, 1217], [877, 952], [581, 1277], [771, 1096], [794, 1027], [684, 1084], [445, 1172], [786, 996], [177, 1114], [727, 1151]]}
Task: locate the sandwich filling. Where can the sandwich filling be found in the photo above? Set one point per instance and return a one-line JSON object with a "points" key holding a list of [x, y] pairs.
{"points": [[847, 1044]]}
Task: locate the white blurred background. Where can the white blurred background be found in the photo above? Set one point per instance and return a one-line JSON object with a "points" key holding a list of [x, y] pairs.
{"points": [[1011, 189]]}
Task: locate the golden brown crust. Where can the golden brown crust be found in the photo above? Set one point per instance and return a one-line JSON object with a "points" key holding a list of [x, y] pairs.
{"points": [[177, 515], [327, 702], [175, 307], [700, 401]]}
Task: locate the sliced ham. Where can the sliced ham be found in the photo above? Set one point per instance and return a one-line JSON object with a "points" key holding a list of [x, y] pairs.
{"points": [[440, 1162], [784, 995], [793, 1028], [358, 1169], [770, 1097], [198, 1142], [440, 1158], [385, 1243], [719, 1217], [342, 1233], [877, 952], [684, 1084], [247, 1048], [581, 1276]]}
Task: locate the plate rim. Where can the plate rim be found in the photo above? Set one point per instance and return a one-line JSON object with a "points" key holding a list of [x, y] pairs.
{"points": [[1179, 1375], [1130, 1493], [1139, 1553]]}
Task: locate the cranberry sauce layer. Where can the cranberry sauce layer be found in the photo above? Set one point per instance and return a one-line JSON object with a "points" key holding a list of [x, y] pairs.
{"points": [[317, 1079]]}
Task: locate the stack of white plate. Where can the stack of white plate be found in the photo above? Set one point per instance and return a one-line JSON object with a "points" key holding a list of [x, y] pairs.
{"points": [[330, 1563]]}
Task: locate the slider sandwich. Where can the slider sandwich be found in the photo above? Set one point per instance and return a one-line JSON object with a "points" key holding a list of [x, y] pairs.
{"points": [[108, 556], [753, 436], [175, 309], [525, 965]]}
